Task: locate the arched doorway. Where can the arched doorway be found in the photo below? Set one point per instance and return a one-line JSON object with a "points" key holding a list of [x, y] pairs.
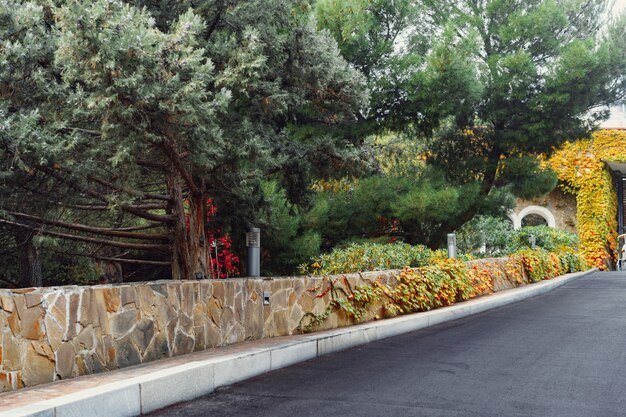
{"points": [[534, 219], [532, 212]]}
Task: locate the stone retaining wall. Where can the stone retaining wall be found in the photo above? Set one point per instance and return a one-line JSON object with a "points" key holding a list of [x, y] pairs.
{"points": [[55, 333]]}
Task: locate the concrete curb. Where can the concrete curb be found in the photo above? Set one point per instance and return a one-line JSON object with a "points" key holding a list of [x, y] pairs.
{"points": [[155, 390]]}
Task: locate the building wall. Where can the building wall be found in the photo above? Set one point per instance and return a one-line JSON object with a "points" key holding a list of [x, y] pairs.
{"points": [[562, 206], [617, 119]]}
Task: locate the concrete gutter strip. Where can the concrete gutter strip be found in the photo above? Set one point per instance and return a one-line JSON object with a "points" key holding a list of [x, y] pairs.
{"points": [[226, 366]]}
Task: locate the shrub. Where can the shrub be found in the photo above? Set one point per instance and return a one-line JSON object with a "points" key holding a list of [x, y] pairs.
{"points": [[500, 239], [541, 264], [535, 262], [286, 243], [493, 232], [429, 287], [571, 261], [361, 257], [545, 237]]}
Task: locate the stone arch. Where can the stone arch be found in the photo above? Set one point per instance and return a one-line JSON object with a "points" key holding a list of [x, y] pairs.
{"points": [[514, 219], [541, 211]]}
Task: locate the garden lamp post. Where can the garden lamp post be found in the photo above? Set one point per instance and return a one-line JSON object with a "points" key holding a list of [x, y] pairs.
{"points": [[452, 245], [253, 242]]}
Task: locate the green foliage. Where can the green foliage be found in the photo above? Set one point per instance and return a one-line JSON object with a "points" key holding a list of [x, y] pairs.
{"points": [[131, 107], [538, 86], [546, 237], [488, 84], [499, 238], [409, 208], [293, 97], [285, 244], [416, 77], [571, 261], [367, 257], [492, 232], [58, 268], [64, 270], [526, 178], [361, 211], [358, 300]]}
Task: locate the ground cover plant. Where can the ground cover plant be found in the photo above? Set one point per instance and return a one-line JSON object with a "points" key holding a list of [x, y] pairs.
{"points": [[441, 283], [504, 241]]}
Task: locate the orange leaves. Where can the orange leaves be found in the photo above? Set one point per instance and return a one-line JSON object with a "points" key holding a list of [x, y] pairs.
{"points": [[581, 170], [442, 283]]}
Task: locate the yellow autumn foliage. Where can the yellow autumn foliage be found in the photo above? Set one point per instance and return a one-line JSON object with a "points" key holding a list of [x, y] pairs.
{"points": [[582, 171]]}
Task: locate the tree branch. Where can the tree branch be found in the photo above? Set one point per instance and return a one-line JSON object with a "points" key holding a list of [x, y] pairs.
{"points": [[121, 260], [98, 196], [129, 191], [155, 206], [175, 158], [90, 229], [125, 245]]}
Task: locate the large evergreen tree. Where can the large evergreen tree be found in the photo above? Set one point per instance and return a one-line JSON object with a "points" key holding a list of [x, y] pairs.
{"points": [[138, 121], [487, 84]]}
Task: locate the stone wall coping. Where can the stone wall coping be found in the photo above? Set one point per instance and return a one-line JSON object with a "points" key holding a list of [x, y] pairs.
{"points": [[73, 288], [364, 274], [144, 388]]}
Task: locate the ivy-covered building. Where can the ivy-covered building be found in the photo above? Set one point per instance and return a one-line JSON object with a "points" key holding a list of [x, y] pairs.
{"points": [[594, 170], [591, 197]]}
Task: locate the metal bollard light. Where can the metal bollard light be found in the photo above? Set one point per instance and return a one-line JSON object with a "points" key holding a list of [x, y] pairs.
{"points": [[452, 245], [253, 242]]}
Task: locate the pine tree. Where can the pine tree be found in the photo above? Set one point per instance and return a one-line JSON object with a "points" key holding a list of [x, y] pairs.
{"points": [[132, 123]]}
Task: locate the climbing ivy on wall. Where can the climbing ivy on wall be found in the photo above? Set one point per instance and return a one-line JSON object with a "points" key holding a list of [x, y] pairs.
{"points": [[441, 283], [581, 169]]}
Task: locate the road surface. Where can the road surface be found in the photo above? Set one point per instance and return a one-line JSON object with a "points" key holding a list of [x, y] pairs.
{"points": [[560, 354]]}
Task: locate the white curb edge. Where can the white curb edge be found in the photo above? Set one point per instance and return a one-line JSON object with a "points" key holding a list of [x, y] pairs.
{"points": [[180, 383]]}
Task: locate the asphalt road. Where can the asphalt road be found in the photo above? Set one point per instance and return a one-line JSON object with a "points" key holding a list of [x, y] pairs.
{"points": [[560, 354]]}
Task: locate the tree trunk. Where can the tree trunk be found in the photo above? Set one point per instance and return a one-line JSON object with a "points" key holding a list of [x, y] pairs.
{"points": [[190, 247], [493, 161], [29, 261], [198, 240]]}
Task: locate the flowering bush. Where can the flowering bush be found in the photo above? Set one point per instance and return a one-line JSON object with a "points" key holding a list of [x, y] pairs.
{"points": [[223, 263], [538, 263]]}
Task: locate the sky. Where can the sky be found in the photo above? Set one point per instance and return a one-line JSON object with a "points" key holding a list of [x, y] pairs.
{"points": [[619, 5]]}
